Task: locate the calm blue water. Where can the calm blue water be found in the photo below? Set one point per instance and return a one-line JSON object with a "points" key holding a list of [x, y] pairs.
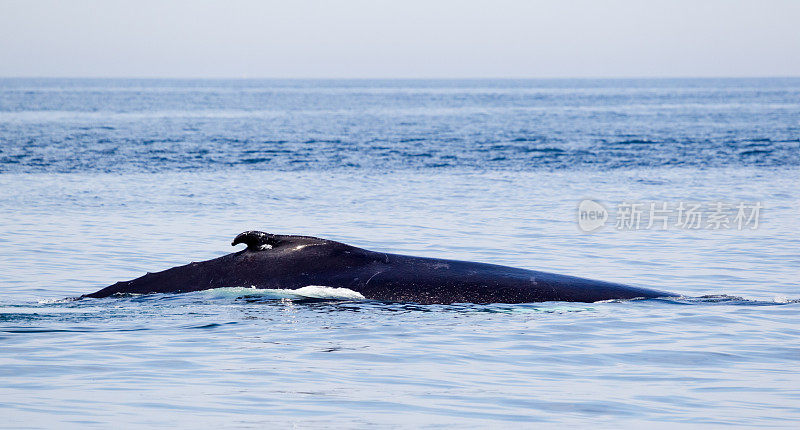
{"points": [[103, 180]]}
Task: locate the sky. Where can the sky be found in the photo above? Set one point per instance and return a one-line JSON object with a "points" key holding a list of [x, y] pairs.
{"points": [[399, 39]]}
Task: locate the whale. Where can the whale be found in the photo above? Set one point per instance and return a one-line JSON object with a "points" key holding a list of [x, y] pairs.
{"points": [[271, 261]]}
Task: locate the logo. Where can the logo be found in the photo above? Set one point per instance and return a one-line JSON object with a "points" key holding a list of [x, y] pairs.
{"points": [[591, 215], [685, 215]]}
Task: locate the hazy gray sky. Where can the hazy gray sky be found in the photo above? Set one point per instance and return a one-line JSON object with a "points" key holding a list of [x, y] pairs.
{"points": [[402, 38]]}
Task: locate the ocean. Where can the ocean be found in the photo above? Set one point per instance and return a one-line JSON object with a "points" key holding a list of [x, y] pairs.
{"points": [[103, 180]]}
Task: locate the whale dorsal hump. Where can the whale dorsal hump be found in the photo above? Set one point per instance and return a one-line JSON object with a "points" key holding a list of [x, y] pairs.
{"points": [[256, 240]]}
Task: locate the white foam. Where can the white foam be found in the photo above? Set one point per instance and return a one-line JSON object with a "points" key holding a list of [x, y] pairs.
{"points": [[323, 292], [309, 291]]}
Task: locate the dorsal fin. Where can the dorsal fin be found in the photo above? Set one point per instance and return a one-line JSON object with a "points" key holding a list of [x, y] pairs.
{"points": [[256, 240]]}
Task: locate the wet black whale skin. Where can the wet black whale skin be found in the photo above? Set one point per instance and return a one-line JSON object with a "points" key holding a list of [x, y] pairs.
{"points": [[291, 262]]}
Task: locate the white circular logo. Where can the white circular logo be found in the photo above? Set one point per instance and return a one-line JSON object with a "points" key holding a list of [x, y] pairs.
{"points": [[591, 215]]}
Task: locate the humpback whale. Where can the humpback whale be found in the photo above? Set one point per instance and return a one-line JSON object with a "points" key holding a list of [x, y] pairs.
{"points": [[273, 261]]}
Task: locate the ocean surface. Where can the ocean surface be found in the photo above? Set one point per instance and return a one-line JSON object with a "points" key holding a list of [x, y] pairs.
{"points": [[104, 180]]}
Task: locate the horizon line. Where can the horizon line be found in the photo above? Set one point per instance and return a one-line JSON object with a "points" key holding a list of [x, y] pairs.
{"points": [[420, 78]]}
